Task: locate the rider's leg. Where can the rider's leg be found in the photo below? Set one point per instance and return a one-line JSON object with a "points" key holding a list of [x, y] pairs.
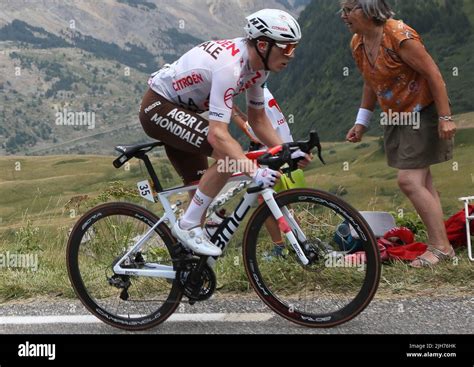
{"points": [[211, 184], [188, 229], [190, 167], [273, 229], [275, 234], [186, 132]]}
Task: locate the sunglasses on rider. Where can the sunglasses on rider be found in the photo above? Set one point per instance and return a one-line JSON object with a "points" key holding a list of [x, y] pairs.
{"points": [[289, 48]]}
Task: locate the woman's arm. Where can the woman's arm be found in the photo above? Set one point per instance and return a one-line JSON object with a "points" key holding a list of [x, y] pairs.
{"points": [[415, 55], [369, 99]]}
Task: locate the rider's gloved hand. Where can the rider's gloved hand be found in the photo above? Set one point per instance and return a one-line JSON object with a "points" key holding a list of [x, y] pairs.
{"points": [[265, 177]]}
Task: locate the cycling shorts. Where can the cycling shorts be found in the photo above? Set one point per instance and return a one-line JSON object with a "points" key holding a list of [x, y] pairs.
{"points": [[183, 132]]}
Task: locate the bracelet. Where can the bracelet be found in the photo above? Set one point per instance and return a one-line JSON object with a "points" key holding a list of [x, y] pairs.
{"points": [[446, 118], [363, 117]]}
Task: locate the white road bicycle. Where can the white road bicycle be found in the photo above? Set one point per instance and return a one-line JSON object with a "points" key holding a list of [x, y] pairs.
{"points": [[130, 272]]}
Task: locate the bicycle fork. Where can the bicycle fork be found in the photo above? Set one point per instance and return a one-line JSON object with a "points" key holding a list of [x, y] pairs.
{"points": [[287, 224]]}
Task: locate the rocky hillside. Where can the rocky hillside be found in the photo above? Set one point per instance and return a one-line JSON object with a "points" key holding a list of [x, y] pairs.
{"points": [[87, 62]]}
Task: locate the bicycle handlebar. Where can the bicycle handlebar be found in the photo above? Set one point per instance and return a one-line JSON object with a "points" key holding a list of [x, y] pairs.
{"points": [[280, 155]]}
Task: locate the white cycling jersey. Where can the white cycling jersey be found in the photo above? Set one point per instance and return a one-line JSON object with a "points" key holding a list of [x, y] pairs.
{"points": [[276, 117], [209, 76]]}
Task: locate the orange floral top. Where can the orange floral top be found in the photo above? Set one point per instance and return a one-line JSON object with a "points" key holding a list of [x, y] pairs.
{"points": [[398, 87]]}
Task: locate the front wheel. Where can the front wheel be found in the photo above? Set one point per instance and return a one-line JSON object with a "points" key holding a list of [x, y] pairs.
{"points": [[344, 270]]}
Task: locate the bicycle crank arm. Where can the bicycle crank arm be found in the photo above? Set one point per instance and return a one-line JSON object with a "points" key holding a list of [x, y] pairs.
{"points": [[283, 224]]}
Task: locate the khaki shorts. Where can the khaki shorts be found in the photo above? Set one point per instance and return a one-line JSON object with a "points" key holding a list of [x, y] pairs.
{"points": [[409, 148]]}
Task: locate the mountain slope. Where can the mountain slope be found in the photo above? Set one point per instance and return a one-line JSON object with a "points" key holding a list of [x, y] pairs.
{"points": [[141, 21], [319, 95], [94, 57]]}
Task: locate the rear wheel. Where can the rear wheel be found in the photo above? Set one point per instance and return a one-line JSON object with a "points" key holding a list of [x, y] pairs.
{"points": [[337, 284], [98, 240]]}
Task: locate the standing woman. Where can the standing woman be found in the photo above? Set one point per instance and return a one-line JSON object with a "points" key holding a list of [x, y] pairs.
{"points": [[402, 77]]}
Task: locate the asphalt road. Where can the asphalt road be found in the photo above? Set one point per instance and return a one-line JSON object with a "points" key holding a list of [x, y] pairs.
{"points": [[248, 315]]}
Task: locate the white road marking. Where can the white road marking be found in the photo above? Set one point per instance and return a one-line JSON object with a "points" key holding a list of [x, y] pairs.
{"points": [[177, 317]]}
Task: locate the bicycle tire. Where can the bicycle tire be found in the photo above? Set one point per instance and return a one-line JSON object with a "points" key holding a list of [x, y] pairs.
{"points": [[80, 230], [259, 283]]}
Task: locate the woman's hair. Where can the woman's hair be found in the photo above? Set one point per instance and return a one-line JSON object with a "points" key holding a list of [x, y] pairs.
{"points": [[377, 10]]}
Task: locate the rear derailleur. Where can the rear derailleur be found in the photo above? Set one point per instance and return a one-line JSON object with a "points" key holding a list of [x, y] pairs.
{"points": [[121, 281]]}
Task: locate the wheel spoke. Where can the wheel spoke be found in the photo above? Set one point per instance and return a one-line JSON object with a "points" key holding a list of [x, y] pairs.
{"points": [[102, 241], [332, 285]]}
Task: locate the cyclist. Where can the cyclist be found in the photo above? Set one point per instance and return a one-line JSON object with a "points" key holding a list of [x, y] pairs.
{"points": [[274, 113], [207, 78], [282, 128]]}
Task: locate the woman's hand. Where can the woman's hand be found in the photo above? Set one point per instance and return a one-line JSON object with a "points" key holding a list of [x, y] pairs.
{"points": [[305, 162], [356, 133], [446, 129], [302, 163]]}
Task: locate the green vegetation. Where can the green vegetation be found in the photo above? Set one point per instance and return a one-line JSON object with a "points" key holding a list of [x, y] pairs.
{"points": [[74, 72], [134, 55], [42, 197], [75, 81], [315, 89], [34, 36]]}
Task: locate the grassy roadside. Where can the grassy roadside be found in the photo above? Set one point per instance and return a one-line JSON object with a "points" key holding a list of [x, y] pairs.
{"points": [[42, 200], [50, 278]]}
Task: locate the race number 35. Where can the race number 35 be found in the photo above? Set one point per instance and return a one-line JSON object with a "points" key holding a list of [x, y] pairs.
{"points": [[144, 188]]}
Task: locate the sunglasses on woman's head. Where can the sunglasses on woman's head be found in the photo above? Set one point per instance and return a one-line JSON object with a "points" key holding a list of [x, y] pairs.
{"points": [[347, 11]]}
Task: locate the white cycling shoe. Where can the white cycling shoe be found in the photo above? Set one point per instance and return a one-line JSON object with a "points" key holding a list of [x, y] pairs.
{"points": [[195, 240]]}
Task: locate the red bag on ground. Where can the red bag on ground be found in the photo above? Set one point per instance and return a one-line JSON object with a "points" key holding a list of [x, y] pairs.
{"points": [[400, 235], [393, 251], [407, 252], [456, 228], [396, 244]]}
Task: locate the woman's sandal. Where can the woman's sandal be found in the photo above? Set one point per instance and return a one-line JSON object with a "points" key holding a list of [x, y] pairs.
{"points": [[441, 256]]}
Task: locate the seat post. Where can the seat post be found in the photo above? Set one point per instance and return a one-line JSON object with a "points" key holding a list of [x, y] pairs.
{"points": [[151, 171]]}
